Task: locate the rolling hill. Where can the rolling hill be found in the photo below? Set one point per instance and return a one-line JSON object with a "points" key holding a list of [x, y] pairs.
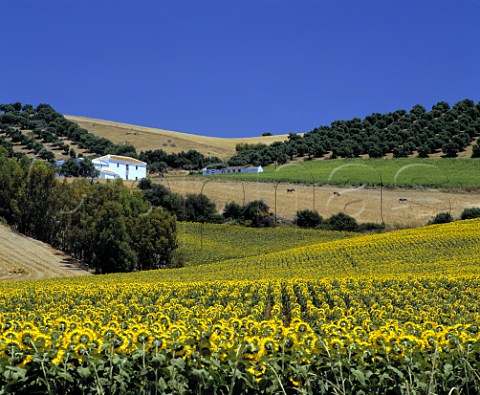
{"points": [[144, 138]]}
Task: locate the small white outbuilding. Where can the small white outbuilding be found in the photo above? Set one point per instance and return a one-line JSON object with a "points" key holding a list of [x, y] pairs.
{"points": [[233, 170]]}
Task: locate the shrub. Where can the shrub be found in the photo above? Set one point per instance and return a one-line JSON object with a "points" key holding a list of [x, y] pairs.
{"points": [[470, 213], [263, 220], [441, 218], [154, 193], [308, 218], [423, 151], [232, 210], [254, 208], [46, 155], [371, 227], [176, 204], [476, 151], [200, 208], [257, 213], [145, 183], [342, 221], [217, 219]]}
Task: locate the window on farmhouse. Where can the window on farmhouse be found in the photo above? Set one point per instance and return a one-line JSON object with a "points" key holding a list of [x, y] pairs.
{"points": [[118, 164]]}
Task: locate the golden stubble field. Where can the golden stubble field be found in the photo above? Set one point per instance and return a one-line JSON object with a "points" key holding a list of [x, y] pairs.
{"points": [[398, 207], [23, 258], [144, 138]]}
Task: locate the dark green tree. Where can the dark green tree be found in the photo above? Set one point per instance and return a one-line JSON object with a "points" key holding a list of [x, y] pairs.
{"points": [[36, 214], [69, 168], [145, 184], [476, 151], [441, 218], [342, 221], [155, 239], [12, 181], [86, 169], [158, 168], [470, 213], [199, 208], [233, 210], [154, 193], [423, 151], [451, 149], [308, 218], [175, 203], [112, 250], [257, 213]]}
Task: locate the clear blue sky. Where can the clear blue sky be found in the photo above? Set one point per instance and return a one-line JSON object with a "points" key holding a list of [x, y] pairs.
{"points": [[236, 68]]}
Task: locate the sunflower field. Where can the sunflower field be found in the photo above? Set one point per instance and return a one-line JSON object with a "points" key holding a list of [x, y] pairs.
{"points": [[199, 242], [396, 313]]}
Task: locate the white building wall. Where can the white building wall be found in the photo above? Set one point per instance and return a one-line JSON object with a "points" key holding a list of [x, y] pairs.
{"points": [[258, 169], [137, 171], [128, 170], [107, 176], [228, 170], [124, 168]]}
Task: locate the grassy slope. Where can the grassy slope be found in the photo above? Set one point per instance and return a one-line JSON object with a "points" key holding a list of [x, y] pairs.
{"points": [[401, 172], [221, 242], [144, 138]]}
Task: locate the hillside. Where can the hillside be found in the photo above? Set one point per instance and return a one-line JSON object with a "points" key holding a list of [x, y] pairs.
{"points": [[43, 133], [144, 138], [23, 258], [443, 131]]}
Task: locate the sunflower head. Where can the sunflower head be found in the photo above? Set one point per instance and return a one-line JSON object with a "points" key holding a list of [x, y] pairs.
{"points": [[336, 343]]}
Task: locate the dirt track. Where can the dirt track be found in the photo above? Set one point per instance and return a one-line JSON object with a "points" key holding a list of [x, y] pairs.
{"points": [[23, 258], [366, 205]]}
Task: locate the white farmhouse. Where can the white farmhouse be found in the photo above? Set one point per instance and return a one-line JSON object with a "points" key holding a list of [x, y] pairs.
{"points": [[114, 166]]}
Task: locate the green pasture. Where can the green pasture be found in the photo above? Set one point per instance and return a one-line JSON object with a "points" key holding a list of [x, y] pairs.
{"points": [[210, 243], [402, 172]]}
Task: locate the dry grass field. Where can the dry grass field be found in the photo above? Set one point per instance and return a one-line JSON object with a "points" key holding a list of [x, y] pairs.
{"points": [[144, 138], [23, 258], [365, 204]]}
